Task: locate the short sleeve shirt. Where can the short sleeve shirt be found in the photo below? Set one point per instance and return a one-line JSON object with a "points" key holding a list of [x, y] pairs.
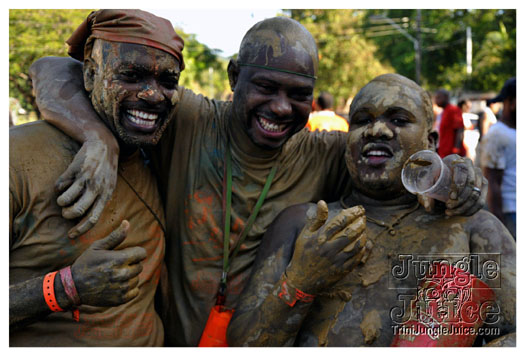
{"points": [[451, 120], [38, 242], [498, 151], [190, 164]]}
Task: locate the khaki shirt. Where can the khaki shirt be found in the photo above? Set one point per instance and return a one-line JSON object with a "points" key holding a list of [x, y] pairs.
{"points": [[38, 242], [190, 164]]}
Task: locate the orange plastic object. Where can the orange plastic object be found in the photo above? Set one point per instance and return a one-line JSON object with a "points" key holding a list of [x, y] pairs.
{"points": [[49, 292], [214, 334]]}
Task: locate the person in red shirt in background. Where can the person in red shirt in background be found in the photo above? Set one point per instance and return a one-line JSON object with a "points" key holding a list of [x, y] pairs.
{"points": [[324, 117], [451, 127]]}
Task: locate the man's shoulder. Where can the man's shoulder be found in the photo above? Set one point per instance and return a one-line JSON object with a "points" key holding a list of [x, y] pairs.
{"points": [[483, 220], [36, 130], [317, 141], [38, 139]]}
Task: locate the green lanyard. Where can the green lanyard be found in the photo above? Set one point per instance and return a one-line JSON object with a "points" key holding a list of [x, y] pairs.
{"points": [[227, 202]]}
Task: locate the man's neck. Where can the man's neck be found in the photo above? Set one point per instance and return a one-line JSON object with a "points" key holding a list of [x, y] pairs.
{"points": [[509, 122], [401, 201], [126, 151]]}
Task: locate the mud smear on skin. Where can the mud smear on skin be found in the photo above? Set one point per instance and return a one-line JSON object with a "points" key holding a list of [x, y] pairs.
{"points": [[108, 94], [370, 326], [273, 40]]}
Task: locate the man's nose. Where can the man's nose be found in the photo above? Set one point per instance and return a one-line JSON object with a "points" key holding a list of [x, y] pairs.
{"points": [[281, 105], [151, 93], [378, 129]]}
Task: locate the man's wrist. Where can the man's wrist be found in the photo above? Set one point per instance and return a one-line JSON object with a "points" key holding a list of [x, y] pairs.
{"points": [[60, 294], [290, 294]]}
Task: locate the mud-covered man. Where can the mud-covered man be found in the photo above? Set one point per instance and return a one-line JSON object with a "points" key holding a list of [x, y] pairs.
{"points": [[391, 118], [259, 132], [96, 290]]}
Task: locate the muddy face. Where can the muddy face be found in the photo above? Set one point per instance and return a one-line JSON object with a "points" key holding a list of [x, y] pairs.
{"points": [[388, 123], [271, 105], [133, 88]]}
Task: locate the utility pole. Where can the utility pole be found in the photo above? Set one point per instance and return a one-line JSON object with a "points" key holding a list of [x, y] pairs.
{"points": [[469, 51], [417, 46]]}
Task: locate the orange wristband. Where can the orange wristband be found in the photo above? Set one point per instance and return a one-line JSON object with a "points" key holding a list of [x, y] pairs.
{"points": [[290, 295], [49, 292]]}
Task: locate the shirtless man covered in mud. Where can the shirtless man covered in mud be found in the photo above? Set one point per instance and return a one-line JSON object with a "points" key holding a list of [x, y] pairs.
{"points": [[259, 132], [391, 118]]}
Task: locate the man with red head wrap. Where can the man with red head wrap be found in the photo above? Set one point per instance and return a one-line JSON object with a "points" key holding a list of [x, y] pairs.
{"points": [[107, 279]]}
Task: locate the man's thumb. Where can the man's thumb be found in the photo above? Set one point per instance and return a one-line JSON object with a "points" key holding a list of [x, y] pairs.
{"points": [[316, 218], [114, 239]]}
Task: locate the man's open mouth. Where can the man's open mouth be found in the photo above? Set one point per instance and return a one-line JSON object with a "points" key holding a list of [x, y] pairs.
{"points": [[272, 128], [376, 153], [142, 120]]}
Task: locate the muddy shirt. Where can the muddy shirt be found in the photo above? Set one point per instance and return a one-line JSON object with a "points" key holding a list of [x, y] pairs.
{"points": [[190, 166], [38, 240]]}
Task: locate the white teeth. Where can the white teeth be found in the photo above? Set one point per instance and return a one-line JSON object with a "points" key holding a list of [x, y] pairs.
{"points": [[377, 153], [269, 126], [142, 118]]}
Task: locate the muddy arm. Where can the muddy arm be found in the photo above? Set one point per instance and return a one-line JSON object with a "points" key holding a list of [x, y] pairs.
{"points": [[260, 318], [489, 236], [27, 304], [102, 277], [302, 254], [89, 181]]}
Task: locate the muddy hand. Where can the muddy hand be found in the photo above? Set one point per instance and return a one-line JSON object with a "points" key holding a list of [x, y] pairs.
{"points": [[469, 188], [105, 277], [90, 180], [326, 251]]}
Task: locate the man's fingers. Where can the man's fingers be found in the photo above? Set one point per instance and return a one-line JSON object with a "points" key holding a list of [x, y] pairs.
{"points": [[67, 178], [342, 220], [315, 218], [355, 260], [133, 282], [81, 205], [350, 232], [71, 194], [114, 239], [130, 295], [476, 199], [132, 255], [89, 220], [426, 202], [463, 176]]}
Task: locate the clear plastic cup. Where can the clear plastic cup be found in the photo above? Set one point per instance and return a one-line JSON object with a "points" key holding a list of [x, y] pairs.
{"points": [[425, 173]]}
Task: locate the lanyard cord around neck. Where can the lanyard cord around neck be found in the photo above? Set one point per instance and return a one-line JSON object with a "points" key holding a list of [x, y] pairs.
{"points": [[227, 200]]}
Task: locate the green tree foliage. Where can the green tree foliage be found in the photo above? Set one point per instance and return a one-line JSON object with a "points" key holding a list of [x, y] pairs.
{"points": [[443, 42], [206, 70], [347, 60], [34, 34]]}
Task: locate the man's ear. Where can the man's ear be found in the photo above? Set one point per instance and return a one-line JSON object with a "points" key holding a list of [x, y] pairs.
{"points": [[233, 73], [89, 74], [432, 140]]}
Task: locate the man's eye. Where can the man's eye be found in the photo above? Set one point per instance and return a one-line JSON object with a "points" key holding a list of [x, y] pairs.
{"points": [[361, 119], [399, 120], [264, 88], [305, 96], [129, 76], [169, 83]]}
